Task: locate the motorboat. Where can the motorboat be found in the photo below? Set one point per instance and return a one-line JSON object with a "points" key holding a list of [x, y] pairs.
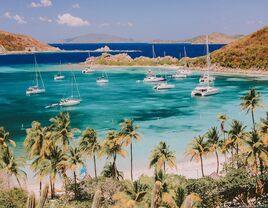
{"points": [[164, 86], [206, 78], [39, 86], [58, 77], [65, 102], [34, 90], [87, 70], [154, 79], [203, 90], [102, 80]]}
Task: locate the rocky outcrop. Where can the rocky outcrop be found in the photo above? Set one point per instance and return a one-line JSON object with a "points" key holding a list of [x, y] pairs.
{"points": [[2, 49]]}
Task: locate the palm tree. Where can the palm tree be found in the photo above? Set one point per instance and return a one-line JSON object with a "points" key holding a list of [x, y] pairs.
{"points": [[74, 162], [197, 149], [222, 119], [161, 156], [38, 144], [237, 135], [134, 193], [257, 151], [214, 142], [251, 101], [264, 124], [108, 172], [90, 144], [61, 125], [112, 147], [51, 165], [4, 138], [129, 133], [11, 165]]}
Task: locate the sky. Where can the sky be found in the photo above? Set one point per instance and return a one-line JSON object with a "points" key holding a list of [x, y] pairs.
{"points": [[142, 20]]}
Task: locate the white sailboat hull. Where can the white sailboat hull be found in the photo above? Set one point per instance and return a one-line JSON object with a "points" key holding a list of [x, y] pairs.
{"points": [[154, 79], [164, 86], [87, 71], [69, 102], [102, 81], [32, 91], [58, 77], [179, 76]]}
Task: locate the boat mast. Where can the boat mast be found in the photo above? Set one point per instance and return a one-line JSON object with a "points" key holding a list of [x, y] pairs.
{"points": [[75, 83], [185, 65], [208, 59], [36, 72], [153, 51]]}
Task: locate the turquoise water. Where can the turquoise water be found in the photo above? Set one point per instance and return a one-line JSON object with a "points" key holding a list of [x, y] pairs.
{"points": [[173, 116]]}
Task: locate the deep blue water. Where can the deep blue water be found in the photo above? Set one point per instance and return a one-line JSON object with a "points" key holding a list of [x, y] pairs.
{"points": [[145, 49]]}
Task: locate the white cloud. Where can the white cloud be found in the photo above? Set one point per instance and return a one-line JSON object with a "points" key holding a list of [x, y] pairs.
{"points": [[44, 19], [128, 24], [104, 25], [19, 19], [42, 3], [68, 19], [76, 6]]}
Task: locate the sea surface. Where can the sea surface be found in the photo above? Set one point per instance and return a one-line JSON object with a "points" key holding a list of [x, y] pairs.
{"points": [[172, 116], [144, 49]]}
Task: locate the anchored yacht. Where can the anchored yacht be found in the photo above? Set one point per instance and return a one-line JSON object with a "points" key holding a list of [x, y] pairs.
{"points": [[164, 86], [38, 87]]}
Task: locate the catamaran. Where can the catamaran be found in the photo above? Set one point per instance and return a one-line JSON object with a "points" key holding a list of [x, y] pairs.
{"points": [[207, 78], [204, 89], [103, 79], [88, 69], [38, 87], [72, 100], [59, 76]]}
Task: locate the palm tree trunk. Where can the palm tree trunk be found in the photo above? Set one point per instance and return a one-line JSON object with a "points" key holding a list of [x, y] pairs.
{"points": [[201, 162], [75, 191], [131, 162], [51, 188], [253, 120], [18, 181], [164, 167], [95, 166], [218, 164], [40, 187], [114, 166]]}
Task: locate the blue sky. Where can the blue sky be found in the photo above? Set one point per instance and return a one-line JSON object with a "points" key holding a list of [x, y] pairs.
{"points": [[53, 20]]}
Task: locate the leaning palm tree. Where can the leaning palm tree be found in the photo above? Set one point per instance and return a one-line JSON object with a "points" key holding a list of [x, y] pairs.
{"points": [[197, 150], [129, 133], [222, 119], [264, 124], [251, 101], [90, 144], [12, 166], [4, 138], [161, 156], [74, 162], [214, 142], [61, 125], [112, 147], [257, 152]]}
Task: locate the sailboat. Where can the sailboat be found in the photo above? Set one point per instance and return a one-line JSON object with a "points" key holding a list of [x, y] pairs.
{"points": [[38, 87], [87, 69], [103, 79], [205, 89], [72, 100], [59, 76], [163, 86], [182, 73], [207, 78]]}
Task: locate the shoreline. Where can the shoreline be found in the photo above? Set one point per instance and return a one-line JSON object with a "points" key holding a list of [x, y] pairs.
{"points": [[216, 70]]}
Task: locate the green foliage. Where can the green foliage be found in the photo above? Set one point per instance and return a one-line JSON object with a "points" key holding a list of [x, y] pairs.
{"points": [[13, 198]]}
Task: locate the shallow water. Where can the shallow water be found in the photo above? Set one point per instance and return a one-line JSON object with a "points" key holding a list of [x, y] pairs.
{"points": [[173, 116]]}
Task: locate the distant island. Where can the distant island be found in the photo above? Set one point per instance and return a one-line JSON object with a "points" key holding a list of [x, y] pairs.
{"points": [[214, 38], [12, 43], [248, 52], [97, 38]]}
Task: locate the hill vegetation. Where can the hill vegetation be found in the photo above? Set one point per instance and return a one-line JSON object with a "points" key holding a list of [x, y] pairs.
{"points": [[17, 42], [248, 52]]}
